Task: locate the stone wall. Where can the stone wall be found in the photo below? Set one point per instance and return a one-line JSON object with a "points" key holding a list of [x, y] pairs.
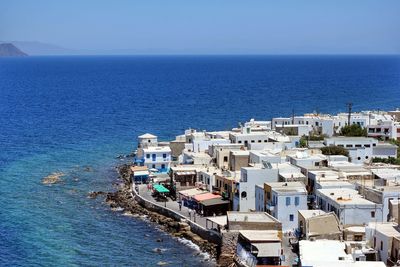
{"points": [[228, 248], [210, 236]]}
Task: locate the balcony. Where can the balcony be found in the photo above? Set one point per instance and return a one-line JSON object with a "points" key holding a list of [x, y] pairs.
{"points": [[270, 206]]}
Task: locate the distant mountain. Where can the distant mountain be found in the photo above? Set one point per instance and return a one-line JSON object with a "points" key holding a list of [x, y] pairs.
{"points": [[43, 49], [10, 50]]}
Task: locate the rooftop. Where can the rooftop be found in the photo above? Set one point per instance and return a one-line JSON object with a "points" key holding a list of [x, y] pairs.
{"points": [[386, 173], [287, 187], [260, 235], [311, 213], [157, 149], [344, 196], [235, 216], [147, 136], [386, 228]]}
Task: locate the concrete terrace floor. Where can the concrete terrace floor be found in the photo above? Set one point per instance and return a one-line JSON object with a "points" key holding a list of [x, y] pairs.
{"points": [[173, 205]]}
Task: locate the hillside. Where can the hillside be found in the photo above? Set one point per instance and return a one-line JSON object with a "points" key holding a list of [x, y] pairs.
{"points": [[10, 50]]}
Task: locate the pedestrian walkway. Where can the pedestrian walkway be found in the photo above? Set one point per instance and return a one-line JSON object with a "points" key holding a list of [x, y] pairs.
{"points": [[173, 205]]}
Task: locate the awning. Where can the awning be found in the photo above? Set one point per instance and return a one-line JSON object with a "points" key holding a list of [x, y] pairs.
{"points": [[160, 188], [192, 192], [140, 173], [206, 196], [214, 201], [268, 249]]}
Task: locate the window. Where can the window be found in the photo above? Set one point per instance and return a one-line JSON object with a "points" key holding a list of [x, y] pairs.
{"points": [[164, 155], [296, 201], [239, 142], [265, 141], [366, 157], [244, 194], [226, 159], [291, 217], [287, 201], [153, 166], [147, 156], [372, 214], [259, 141], [149, 141], [381, 245], [358, 158], [162, 166], [357, 237], [252, 141], [349, 145]]}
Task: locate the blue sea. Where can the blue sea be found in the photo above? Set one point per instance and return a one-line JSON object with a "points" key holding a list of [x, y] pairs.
{"points": [[77, 114]]}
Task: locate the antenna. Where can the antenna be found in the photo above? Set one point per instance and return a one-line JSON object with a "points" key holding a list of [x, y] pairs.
{"points": [[349, 107]]}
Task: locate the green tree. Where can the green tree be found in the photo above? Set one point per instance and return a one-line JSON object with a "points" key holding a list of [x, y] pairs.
{"points": [[303, 141], [353, 130]]}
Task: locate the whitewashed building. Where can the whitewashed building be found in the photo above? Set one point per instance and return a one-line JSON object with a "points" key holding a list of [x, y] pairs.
{"points": [[284, 200], [244, 198], [349, 205]]}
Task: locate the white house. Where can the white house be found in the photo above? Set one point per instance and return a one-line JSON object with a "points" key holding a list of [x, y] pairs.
{"points": [[284, 200], [152, 154], [246, 136], [380, 235], [244, 198], [157, 158], [349, 205]]}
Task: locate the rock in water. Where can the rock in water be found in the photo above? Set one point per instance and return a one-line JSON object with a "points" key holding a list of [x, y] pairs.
{"points": [[53, 178], [162, 263], [95, 194]]}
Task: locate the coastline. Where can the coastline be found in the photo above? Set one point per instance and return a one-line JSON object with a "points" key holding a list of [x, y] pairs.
{"points": [[123, 199]]}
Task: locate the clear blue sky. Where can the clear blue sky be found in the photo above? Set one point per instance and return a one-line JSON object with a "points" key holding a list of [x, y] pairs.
{"points": [[208, 26]]}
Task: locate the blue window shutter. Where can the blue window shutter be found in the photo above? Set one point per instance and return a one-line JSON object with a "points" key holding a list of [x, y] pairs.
{"points": [[287, 201]]}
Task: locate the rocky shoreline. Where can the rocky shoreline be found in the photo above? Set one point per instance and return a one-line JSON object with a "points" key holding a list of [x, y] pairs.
{"points": [[122, 198]]}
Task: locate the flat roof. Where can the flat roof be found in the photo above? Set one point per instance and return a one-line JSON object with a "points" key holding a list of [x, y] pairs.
{"points": [[386, 173], [322, 251], [157, 149], [235, 216], [386, 228], [240, 152], [260, 235], [311, 213], [345, 196], [351, 138], [287, 187], [220, 220]]}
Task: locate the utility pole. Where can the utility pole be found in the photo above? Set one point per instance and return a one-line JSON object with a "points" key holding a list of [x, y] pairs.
{"points": [[293, 116], [349, 107]]}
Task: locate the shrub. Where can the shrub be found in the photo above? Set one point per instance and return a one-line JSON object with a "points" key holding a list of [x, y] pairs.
{"points": [[334, 150], [353, 130]]}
